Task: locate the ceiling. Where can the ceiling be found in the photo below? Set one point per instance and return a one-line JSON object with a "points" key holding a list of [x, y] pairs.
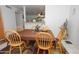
{"points": [[31, 9]]}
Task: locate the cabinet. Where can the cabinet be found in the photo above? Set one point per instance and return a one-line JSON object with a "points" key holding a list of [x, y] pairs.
{"points": [[1, 27]]}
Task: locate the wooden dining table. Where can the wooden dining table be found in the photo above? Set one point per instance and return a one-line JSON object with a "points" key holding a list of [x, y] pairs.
{"points": [[27, 34]]}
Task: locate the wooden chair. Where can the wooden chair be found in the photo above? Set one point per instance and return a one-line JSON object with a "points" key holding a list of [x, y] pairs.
{"points": [[44, 41], [60, 36], [14, 40]]}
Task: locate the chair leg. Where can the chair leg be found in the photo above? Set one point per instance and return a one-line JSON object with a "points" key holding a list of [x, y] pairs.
{"points": [[48, 51], [20, 49], [63, 50], [60, 47], [24, 45], [10, 50], [38, 51]]}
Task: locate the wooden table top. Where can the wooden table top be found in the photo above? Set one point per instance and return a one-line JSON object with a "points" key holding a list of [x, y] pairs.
{"points": [[28, 34]]}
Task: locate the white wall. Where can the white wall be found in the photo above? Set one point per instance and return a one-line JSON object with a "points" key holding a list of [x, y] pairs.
{"points": [[73, 25], [55, 16], [8, 18]]}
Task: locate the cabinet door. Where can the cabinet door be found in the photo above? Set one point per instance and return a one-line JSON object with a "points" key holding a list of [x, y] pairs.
{"points": [[1, 27]]}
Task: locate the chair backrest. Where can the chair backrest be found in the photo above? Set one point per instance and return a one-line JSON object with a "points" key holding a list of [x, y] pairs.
{"points": [[61, 34], [13, 37], [44, 40]]}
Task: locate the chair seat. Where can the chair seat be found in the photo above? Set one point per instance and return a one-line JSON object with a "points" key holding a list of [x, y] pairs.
{"points": [[44, 48], [17, 44]]}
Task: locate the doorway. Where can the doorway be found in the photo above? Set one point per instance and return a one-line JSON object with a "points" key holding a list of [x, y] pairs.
{"points": [[19, 21]]}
